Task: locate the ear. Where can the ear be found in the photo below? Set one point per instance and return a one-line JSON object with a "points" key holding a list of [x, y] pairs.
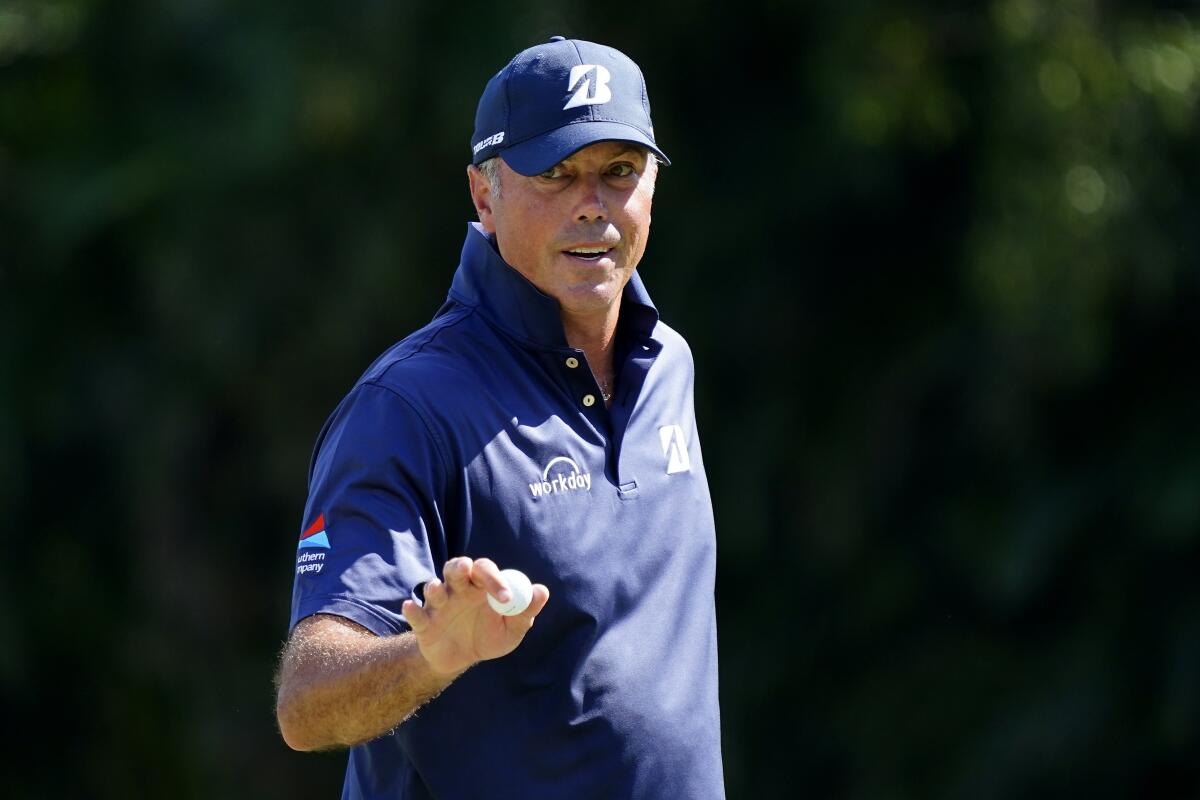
{"points": [[481, 196]]}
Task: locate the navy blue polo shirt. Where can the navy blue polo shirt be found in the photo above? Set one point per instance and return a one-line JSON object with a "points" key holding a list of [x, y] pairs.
{"points": [[485, 434]]}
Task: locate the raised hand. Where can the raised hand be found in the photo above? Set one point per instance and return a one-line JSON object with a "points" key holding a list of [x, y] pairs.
{"points": [[457, 628]]}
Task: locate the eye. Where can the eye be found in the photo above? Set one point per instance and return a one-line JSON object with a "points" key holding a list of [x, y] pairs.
{"points": [[622, 170], [553, 172]]}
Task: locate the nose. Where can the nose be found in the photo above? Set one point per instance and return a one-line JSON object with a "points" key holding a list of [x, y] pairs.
{"points": [[591, 207]]}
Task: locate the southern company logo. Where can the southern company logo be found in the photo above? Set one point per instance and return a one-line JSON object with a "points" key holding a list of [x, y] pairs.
{"points": [[312, 541], [561, 481], [314, 535]]}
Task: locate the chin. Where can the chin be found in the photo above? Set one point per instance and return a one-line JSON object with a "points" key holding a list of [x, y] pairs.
{"points": [[583, 299]]}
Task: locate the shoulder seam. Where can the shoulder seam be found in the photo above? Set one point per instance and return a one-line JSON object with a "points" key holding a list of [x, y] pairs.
{"points": [[468, 311], [439, 446]]}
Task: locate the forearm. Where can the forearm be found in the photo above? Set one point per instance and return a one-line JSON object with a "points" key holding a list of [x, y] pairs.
{"points": [[340, 685]]}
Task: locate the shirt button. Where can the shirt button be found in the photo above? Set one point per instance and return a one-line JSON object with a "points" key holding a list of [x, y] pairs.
{"points": [[572, 362], [589, 400]]}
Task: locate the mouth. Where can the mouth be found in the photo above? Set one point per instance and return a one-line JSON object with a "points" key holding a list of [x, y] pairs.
{"points": [[589, 253]]}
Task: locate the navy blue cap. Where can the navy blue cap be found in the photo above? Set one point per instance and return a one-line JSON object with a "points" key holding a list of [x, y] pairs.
{"points": [[555, 98]]}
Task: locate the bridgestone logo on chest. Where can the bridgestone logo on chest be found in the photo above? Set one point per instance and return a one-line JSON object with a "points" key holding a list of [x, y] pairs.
{"points": [[561, 475]]}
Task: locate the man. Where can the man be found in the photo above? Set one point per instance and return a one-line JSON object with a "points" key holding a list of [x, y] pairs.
{"points": [[542, 421]]}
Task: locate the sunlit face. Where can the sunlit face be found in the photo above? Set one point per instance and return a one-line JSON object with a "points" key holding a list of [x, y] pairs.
{"points": [[578, 230]]}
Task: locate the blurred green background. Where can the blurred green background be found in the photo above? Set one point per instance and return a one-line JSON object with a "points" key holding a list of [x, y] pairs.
{"points": [[938, 263]]}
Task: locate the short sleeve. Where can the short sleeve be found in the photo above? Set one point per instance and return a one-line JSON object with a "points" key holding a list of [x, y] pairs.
{"points": [[372, 528]]}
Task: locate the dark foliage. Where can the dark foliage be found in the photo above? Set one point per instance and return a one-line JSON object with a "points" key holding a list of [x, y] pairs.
{"points": [[934, 260]]}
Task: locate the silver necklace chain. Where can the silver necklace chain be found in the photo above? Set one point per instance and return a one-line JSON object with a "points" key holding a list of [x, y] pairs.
{"points": [[605, 390]]}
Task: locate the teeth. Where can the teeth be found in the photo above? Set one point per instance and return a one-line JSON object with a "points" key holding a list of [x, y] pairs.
{"points": [[589, 251]]}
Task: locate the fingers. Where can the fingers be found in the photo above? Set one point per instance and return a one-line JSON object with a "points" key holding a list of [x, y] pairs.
{"points": [[541, 595], [457, 573], [418, 618], [468, 579], [523, 622], [436, 594], [486, 575], [464, 575]]}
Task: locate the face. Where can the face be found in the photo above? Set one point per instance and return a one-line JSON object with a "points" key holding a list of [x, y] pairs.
{"points": [[578, 230]]}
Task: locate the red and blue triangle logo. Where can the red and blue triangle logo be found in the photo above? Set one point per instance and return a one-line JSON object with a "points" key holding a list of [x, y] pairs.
{"points": [[314, 535]]}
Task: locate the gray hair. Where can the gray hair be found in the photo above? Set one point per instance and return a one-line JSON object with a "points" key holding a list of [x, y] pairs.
{"points": [[491, 170]]}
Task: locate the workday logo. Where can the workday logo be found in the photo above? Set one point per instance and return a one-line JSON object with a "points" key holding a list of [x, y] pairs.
{"points": [[600, 93], [556, 478]]}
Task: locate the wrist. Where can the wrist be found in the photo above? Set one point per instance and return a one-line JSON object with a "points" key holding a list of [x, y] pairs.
{"points": [[438, 670]]}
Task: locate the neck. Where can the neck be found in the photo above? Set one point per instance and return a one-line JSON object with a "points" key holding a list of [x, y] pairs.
{"points": [[594, 335]]}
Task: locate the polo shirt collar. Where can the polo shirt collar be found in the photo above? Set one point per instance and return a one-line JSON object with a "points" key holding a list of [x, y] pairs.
{"points": [[510, 302]]}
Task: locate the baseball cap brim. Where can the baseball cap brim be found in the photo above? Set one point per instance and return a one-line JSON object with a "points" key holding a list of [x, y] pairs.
{"points": [[536, 155]]}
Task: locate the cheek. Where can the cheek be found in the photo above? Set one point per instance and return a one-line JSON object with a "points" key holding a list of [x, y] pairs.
{"points": [[522, 240], [637, 212]]}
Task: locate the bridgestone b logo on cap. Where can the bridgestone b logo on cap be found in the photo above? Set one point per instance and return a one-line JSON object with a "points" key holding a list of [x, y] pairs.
{"points": [[600, 91]]}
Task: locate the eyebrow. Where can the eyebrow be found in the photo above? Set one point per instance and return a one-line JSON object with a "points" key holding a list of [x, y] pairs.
{"points": [[625, 151]]}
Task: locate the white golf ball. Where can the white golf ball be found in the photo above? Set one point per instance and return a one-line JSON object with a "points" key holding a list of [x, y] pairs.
{"points": [[521, 590]]}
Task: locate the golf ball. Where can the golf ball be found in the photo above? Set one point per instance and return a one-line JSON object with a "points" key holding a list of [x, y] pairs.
{"points": [[521, 590]]}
